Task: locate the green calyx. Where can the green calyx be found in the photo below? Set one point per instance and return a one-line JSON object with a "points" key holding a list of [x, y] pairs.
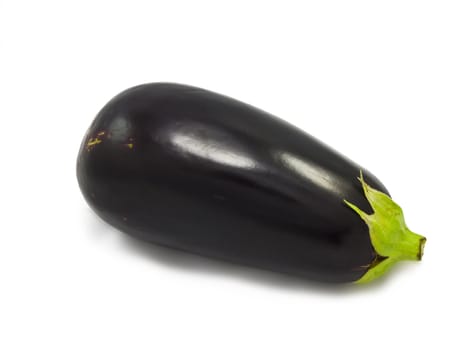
{"points": [[389, 235]]}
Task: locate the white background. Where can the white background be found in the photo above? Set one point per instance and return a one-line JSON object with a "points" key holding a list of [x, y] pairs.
{"points": [[383, 82]]}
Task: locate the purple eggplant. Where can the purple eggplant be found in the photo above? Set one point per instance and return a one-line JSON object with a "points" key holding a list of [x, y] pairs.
{"points": [[198, 171]]}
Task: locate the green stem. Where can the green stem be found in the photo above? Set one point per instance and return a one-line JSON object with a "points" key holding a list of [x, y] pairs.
{"points": [[389, 235]]}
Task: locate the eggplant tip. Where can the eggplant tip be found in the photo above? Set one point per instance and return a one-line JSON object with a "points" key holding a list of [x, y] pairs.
{"points": [[421, 248]]}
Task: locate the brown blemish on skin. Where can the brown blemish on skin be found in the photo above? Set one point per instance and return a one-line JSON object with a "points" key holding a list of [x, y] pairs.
{"points": [[130, 143], [94, 141]]}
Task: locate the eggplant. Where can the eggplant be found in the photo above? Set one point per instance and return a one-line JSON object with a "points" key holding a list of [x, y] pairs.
{"points": [[197, 171]]}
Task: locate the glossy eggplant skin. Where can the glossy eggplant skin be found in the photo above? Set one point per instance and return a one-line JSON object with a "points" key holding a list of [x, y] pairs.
{"points": [[194, 170]]}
